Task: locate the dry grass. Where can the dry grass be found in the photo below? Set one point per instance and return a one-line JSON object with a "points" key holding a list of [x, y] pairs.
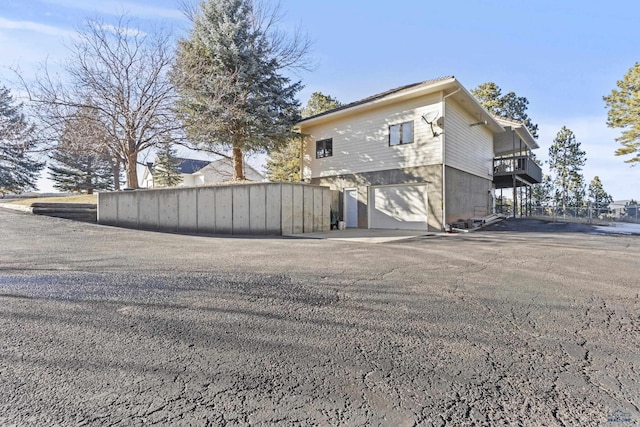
{"points": [[82, 198]]}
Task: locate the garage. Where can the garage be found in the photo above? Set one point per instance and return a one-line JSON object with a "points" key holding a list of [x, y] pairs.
{"points": [[399, 206]]}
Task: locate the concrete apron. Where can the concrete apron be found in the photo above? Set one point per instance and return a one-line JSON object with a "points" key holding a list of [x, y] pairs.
{"points": [[362, 235]]}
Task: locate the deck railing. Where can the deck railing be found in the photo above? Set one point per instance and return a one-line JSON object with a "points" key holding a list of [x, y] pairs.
{"points": [[521, 165]]}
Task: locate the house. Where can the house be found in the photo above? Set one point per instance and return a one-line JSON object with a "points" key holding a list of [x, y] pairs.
{"points": [[202, 172], [416, 157]]}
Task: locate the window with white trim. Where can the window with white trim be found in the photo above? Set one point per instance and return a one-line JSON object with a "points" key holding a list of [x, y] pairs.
{"points": [[401, 133], [324, 148]]}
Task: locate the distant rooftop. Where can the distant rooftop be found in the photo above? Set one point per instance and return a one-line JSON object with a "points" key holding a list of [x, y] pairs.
{"points": [[189, 166]]}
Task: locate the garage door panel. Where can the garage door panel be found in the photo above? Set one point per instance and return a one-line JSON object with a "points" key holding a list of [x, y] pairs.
{"points": [[398, 207]]}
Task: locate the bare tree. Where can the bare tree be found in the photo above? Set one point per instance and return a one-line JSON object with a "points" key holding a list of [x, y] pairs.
{"points": [[116, 82]]}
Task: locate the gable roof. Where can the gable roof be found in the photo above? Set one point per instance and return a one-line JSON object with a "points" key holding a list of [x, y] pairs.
{"points": [[189, 166], [225, 164], [375, 97], [449, 85]]}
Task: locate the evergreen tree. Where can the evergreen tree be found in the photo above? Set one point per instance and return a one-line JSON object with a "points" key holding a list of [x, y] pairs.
{"points": [[18, 171], [566, 160], [228, 74], [600, 198], [80, 171], [284, 163], [624, 112], [631, 210], [166, 170], [319, 103], [82, 161], [542, 193], [509, 106]]}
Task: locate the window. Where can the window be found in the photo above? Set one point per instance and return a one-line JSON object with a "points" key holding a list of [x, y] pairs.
{"points": [[401, 133], [324, 148]]}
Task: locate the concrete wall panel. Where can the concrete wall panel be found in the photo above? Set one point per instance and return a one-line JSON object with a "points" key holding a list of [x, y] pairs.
{"points": [[148, 209], [297, 214], [107, 209], [467, 195], [307, 225], [287, 208], [241, 215], [327, 196], [168, 210], [273, 209], [187, 210], [318, 210], [224, 210], [206, 217], [128, 209], [257, 209]]}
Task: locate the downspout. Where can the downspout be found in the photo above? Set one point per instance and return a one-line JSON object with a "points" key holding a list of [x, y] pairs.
{"points": [[443, 135], [301, 155], [513, 173]]}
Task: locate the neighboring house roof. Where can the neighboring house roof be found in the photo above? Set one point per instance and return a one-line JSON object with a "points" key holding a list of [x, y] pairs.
{"points": [[448, 85], [186, 166], [213, 171], [224, 169], [189, 166]]}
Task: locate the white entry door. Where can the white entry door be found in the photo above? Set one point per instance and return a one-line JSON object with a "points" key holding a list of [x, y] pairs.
{"points": [[351, 207], [402, 206]]}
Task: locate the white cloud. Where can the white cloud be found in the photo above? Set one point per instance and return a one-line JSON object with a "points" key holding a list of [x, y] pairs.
{"points": [[8, 24], [114, 7], [598, 141], [132, 32]]}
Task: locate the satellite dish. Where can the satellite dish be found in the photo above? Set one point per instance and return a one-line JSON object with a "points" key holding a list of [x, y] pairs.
{"points": [[430, 118]]}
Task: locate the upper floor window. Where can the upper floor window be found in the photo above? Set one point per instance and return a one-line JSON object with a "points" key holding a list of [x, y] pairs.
{"points": [[324, 148], [401, 133]]}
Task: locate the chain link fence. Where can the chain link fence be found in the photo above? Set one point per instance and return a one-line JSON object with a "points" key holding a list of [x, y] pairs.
{"points": [[588, 214]]}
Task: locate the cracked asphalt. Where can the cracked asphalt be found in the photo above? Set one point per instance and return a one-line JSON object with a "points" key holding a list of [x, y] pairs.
{"points": [[106, 326]]}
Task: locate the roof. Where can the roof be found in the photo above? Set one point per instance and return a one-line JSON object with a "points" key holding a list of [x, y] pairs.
{"points": [[377, 97], [189, 166], [449, 86], [520, 129], [226, 162]]}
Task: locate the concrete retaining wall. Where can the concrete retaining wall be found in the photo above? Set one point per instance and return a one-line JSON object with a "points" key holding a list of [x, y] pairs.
{"points": [[258, 209]]}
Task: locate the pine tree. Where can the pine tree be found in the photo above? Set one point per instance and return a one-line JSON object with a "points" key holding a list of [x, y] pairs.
{"points": [[600, 198], [82, 161], [631, 210], [542, 193], [509, 106], [319, 103], [624, 112], [566, 160], [284, 163], [80, 171], [166, 169], [228, 74], [18, 171]]}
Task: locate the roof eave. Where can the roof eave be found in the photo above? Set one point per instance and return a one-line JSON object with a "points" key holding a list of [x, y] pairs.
{"points": [[406, 93], [521, 130]]}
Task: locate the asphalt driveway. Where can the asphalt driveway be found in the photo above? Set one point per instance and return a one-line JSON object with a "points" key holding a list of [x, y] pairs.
{"points": [[106, 326]]}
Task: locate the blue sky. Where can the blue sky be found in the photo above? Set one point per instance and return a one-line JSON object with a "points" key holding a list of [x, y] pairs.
{"points": [[562, 56]]}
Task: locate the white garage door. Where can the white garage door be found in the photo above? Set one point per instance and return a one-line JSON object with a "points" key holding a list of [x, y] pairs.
{"points": [[398, 206]]}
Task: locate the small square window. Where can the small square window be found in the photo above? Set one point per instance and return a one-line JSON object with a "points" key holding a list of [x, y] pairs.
{"points": [[401, 133], [324, 148]]}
